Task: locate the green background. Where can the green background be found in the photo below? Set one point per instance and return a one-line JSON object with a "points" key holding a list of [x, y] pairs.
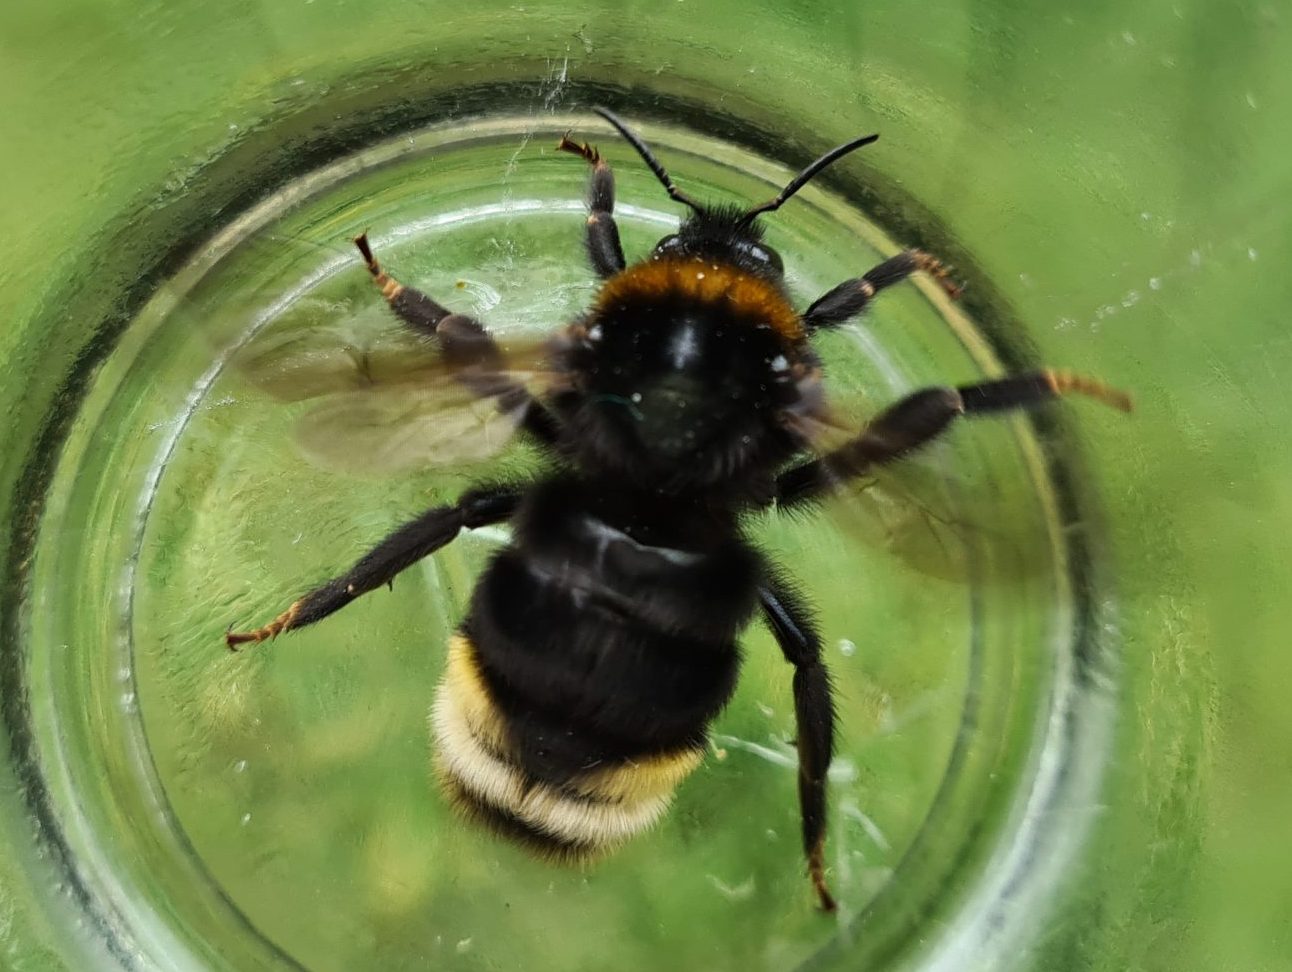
{"points": [[1120, 174]]}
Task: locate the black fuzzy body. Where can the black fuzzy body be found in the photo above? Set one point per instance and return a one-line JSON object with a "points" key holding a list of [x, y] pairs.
{"points": [[597, 643], [601, 643], [606, 633]]}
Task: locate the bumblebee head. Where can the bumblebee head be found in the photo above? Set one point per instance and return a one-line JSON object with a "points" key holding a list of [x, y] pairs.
{"points": [[728, 234], [722, 234]]}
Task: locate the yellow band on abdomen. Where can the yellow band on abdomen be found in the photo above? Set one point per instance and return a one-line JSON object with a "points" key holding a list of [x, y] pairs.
{"points": [[593, 811]]}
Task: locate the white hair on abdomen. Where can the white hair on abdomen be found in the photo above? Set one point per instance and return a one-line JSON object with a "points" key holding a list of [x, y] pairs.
{"points": [[592, 813]]}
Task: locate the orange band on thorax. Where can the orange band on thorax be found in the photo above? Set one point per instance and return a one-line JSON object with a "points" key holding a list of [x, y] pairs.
{"points": [[704, 282]]}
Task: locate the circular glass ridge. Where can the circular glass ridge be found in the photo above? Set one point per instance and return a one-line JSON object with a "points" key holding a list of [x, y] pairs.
{"points": [[982, 851]]}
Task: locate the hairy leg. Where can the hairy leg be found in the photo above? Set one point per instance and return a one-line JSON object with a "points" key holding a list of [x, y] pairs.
{"points": [[602, 240], [921, 417], [410, 543], [851, 297], [795, 632]]}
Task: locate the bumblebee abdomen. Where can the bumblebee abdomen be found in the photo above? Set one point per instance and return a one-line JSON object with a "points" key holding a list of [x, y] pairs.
{"points": [[580, 673], [579, 690], [593, 809]]}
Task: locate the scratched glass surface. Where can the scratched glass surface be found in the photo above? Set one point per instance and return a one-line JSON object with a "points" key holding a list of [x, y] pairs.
{"points": [[1056, 643]]}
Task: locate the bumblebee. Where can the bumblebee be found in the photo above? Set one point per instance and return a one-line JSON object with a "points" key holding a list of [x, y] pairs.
{"points": [[602, 641]]}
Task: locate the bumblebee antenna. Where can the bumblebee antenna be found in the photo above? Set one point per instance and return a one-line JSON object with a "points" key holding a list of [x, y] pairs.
{"points": [[804, 177], [660, 172]]}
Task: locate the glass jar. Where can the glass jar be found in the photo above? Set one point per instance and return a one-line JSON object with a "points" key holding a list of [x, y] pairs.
{"points": [[1059, 697]]}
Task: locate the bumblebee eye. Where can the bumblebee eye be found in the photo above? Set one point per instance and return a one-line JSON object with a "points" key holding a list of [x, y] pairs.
{"points": [[763, 257], [669, 246], [594, 334], [780, 366]]}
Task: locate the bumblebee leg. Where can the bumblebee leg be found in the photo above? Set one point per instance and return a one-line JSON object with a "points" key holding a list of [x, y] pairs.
{"points": [[795, 632], [922, 416], [602, 239], [410, 543], [851, 297], [417, 311], [468, 349]]}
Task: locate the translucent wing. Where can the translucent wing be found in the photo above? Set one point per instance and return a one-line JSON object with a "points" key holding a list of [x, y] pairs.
{"points": [[944, 519], [383, 400], [391, 429], [908, 515], [336, 351], [962, 523]]}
